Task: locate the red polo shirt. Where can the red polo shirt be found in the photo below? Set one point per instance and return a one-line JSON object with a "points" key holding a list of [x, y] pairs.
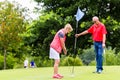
{"points": [[97, 31]]}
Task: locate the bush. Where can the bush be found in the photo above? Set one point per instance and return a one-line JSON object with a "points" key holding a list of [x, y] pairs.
{"points": [[65, 61], [10, 62], [47, 63], [18, 65], [1, 62], [118, 58], [70, 61], [110, 57], [92, 63], [88, 55], [41, 62]]}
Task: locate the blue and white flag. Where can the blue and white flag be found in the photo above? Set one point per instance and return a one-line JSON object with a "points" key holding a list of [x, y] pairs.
{"points": [[79, 14]]}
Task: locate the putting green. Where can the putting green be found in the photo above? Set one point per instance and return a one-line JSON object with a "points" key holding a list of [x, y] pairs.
{"points": [[45, 73]]}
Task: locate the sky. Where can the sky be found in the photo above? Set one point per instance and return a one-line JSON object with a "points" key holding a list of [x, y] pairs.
{"points": [[30, 4]]}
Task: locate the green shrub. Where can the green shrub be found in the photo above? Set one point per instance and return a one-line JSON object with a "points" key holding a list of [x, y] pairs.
{"points": [[41, 62], [78, 61], [118, 58], [10, 61], [47, 63], [70, 61], [92, 63], [18, 65], [88, 55], [1, 62], [110, 57]]}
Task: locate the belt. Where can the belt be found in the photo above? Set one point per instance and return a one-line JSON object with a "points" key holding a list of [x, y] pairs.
{"points": [[98, 41]]}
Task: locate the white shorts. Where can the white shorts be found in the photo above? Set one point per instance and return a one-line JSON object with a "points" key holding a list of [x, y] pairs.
{"points": [[54, 54]]}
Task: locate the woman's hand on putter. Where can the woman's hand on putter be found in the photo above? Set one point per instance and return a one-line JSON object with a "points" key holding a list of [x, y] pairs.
{"points": [[65, 51]]}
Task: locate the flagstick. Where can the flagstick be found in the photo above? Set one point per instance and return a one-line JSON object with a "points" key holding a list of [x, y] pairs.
{"points": [[75, 49], [75, 37], [78, 16]]}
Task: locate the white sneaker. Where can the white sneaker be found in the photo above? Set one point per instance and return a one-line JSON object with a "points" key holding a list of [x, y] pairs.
{"points": [[99, 71]]}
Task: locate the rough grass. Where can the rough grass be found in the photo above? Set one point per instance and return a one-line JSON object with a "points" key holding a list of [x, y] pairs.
{"points": [[45, 73]]}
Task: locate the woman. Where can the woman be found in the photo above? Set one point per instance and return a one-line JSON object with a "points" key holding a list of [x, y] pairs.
{"points": [[56, 47]]}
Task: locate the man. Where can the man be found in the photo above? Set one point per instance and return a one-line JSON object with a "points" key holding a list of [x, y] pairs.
{"points": [[98, 32], [57, 45]]}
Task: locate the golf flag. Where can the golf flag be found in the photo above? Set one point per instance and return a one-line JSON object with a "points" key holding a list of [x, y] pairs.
{"points": [[79, 14]]}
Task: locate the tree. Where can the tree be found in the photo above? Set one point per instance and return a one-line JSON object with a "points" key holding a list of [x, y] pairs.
{"points": [[41, 32], [102, 9], [59, 12], [90, 7], [12, 25]]}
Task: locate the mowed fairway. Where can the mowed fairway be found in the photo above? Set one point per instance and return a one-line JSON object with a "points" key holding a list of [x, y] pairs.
{"points": [[45, 73]]}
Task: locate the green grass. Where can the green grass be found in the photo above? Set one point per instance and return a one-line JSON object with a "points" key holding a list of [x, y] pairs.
{"points": [[45, 73]]}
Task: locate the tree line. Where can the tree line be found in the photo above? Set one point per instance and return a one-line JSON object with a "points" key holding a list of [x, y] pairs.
{"points": [[19, 38]]}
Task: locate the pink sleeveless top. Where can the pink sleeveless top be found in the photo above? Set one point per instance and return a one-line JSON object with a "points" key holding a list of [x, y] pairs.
{"points": [[56, 44]]}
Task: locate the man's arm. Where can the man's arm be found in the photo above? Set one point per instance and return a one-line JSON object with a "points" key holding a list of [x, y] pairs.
{"points": [[82, 33], [104, 39]]}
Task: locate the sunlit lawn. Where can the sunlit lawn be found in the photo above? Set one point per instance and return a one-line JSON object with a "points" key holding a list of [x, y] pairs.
{"points": [[45, 73]]}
